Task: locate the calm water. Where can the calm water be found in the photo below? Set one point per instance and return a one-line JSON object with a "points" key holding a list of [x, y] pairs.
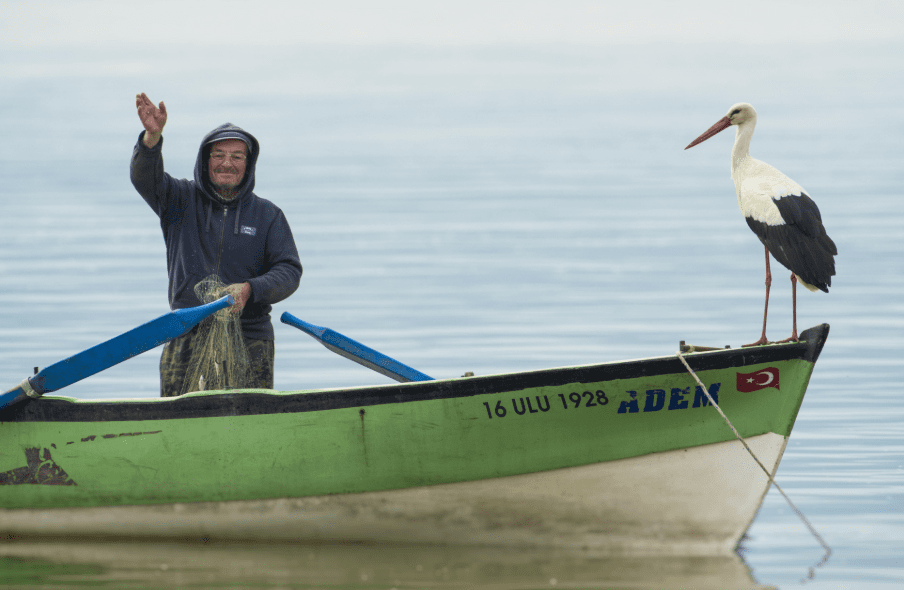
{"points": [[484, 210]]}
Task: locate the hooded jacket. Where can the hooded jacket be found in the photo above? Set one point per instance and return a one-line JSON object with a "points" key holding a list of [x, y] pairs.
{"points": [[244, 240]]}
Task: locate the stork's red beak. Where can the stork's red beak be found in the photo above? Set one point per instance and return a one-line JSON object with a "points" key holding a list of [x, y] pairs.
{"points": [[721, 125]]}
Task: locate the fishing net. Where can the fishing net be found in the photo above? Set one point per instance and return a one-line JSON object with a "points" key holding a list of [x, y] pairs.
{"points": [[219, 359]]}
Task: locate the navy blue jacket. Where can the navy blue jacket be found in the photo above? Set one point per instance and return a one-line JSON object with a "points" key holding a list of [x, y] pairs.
{"points": [[245, 240]]}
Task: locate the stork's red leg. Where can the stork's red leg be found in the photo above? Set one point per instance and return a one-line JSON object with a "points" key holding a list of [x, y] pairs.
{"points": [[762, 339], [793, 337]]}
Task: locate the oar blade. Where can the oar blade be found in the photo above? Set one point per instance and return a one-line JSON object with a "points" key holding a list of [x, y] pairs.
{"points": [[355, 351], [112, 352]]}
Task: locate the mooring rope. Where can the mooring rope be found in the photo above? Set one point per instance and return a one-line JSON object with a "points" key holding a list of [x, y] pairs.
{"points": [[758, 462]]}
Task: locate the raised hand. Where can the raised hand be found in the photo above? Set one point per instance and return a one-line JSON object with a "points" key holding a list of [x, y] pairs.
{"points": [[153, 118]]}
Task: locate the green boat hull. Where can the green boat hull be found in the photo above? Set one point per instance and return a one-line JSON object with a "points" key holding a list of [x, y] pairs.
{"points": [[60, 454]]}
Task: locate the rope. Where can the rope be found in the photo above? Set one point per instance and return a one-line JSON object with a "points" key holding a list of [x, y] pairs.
{"points": [[758, 462], [29, 390]]}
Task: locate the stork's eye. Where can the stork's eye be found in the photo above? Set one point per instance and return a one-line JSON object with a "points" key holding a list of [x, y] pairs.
{"points": [[734, 112]]}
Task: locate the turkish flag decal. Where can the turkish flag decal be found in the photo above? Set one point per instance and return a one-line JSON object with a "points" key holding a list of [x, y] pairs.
{"points": [[762, 379]]}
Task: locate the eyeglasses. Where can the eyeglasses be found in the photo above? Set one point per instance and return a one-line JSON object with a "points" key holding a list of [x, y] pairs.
{"points": [[220, 157]]}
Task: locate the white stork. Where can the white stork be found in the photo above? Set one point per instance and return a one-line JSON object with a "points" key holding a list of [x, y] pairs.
{"points": [[780, 213]]}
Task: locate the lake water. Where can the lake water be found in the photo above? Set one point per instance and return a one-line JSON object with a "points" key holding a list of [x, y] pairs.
{"points": [[484, 210]]}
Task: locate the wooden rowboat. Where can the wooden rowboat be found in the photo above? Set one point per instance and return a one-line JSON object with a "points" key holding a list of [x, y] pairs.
{"points": [[622, 456]]}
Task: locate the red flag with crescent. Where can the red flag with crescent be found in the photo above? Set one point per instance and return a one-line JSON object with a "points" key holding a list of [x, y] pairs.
{"points": [[762, 379]]}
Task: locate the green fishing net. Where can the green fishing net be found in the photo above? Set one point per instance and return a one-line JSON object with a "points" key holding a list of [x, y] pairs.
{"points": [[219, 359]]}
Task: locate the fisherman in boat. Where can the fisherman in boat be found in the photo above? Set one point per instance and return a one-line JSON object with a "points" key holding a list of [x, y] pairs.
{"points": [[215, 224]]}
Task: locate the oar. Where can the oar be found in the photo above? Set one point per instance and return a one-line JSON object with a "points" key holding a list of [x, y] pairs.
{"points": [[112, 352], [356, 351]]}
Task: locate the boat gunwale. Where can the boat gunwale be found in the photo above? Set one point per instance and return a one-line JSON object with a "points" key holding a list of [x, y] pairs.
{"points": [[261, 402]]}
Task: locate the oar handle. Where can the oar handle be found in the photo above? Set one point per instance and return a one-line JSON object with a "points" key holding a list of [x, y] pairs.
{"points": [[355, 351], [112, 352]]}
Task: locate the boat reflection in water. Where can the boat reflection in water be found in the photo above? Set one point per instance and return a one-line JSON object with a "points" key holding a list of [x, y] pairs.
{"points": [[124, 564]]}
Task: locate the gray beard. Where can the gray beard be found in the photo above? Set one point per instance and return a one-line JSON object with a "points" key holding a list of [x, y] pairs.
{"points": [[226, 193]]}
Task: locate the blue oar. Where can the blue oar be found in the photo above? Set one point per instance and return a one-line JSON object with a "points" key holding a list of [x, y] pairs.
{"points": [[356, 351], [112, 352]]}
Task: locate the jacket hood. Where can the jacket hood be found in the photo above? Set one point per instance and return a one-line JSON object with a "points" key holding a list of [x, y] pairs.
{"points": [[202, 174]]}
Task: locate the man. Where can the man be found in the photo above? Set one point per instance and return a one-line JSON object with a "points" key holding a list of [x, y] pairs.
{"points": [[216, 225]]}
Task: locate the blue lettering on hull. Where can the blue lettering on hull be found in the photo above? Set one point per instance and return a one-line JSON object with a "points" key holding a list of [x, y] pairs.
{"points": [[678, 398]]}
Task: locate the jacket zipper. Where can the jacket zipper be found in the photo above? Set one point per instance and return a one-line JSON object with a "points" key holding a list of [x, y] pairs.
{"points": [[222, 236]]}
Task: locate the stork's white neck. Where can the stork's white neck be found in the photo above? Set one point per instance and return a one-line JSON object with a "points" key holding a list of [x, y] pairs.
{"points": [[741, 150]]}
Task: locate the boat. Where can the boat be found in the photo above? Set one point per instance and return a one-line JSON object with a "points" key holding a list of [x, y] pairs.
{"points": [[627, 456]]}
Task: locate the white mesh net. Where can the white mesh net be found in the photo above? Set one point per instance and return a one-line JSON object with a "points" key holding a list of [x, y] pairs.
{"points": [[219, 359]]}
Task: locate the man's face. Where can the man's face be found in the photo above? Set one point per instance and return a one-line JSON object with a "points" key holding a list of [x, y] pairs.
{"points": [[228, 159]]}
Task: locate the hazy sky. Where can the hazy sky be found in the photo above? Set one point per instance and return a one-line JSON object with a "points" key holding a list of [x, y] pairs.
{"points": [[26, 24]]}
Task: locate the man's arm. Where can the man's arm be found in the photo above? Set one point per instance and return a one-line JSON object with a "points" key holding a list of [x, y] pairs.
{"points": [[284, 272], [156, 187]]}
